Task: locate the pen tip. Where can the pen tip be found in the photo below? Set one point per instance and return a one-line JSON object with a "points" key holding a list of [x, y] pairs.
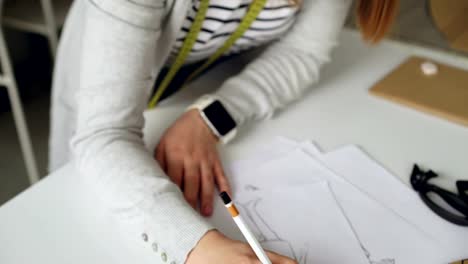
{"points": [[225, 197]]}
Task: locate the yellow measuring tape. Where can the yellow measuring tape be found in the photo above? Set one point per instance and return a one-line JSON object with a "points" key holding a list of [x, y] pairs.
{"points": [[254, 10]]}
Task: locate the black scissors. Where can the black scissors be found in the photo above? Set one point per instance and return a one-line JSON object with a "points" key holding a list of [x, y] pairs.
{"points": [[458, 201]]}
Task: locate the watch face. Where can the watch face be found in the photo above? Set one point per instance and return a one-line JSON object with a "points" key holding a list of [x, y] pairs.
{"points": [[219, 118]]}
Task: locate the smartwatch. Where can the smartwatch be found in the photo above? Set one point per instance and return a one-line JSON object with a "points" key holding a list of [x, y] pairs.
{"points": [[217, 118]]}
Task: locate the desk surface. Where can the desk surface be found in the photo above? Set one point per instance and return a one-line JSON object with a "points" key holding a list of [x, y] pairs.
{"points": [[55, 222]]}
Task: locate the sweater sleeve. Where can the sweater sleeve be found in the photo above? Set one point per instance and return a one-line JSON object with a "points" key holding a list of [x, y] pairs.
{"points": [[287, 68], [119, 45]]}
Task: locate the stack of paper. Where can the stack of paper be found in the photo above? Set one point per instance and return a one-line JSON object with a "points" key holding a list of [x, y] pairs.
{"points": [[336, 207]]}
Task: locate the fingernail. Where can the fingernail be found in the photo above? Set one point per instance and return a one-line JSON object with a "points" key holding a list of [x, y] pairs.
{"points": [[207, 210]]}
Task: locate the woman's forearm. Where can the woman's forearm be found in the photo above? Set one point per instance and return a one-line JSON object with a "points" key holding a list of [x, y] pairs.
{"points": [[116, 62], [289, 67]]}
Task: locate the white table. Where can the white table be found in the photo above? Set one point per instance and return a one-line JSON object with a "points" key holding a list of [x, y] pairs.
{"points": [[56, 220]]}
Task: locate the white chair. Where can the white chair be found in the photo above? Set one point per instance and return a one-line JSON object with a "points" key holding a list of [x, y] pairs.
{"points": [[36, 17], [42, 17], [7, 80]]}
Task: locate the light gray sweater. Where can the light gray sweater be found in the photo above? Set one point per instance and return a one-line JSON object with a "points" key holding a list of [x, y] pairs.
{"points": [[110, 54]]}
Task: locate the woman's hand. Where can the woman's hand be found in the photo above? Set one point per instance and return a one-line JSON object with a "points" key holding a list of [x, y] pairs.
{"points": [[215, 248], [187, 153]]}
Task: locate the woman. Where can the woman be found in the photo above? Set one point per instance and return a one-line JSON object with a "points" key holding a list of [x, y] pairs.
{"points": [[112, 52]]}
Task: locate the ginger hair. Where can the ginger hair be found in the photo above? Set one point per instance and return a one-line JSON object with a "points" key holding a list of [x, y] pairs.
{"points": [[373, 17]]}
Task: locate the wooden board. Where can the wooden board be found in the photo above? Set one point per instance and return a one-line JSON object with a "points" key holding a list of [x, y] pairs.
{"points": [[465, 261], [444, 94]]}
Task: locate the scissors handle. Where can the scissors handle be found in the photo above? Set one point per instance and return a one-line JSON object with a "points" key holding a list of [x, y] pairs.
{"points": [[451, 198], [462, 187]]}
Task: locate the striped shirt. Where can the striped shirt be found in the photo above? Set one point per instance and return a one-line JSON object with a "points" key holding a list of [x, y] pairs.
{"points": [[223, 18]]}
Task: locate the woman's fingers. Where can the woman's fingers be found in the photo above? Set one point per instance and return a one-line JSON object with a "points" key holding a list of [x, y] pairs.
{"points": [[220, 178], [191, 182], [207, 189], [187, 153]]}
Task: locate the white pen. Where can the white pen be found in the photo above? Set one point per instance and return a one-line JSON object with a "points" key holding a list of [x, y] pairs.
{"points": [[249, 236]]}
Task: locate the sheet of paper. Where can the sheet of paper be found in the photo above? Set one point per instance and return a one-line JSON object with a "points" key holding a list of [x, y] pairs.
{"points": [[359, 169], [368, 176], [275, 149], [303, 222], [385, 236]]}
